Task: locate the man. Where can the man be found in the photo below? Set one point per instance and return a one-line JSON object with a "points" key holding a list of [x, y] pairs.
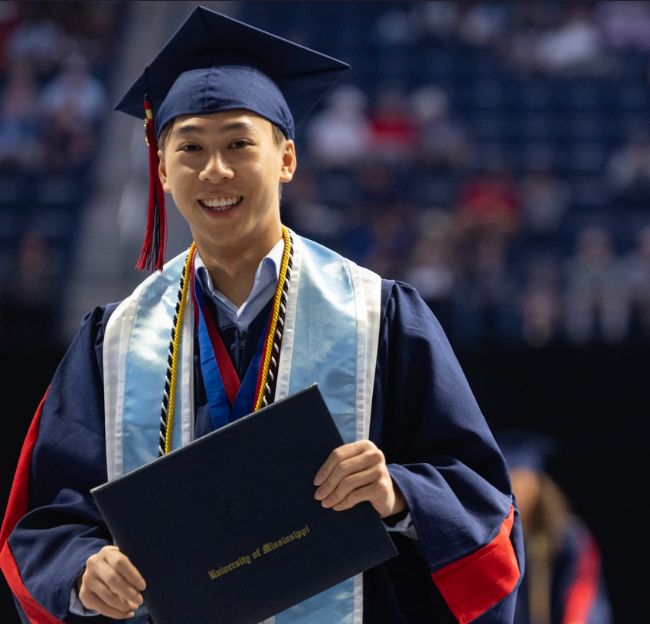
{"points": [[256, 313]]}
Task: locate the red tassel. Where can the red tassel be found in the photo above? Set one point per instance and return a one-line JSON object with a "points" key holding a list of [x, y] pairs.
{"points": [[152, 254]]}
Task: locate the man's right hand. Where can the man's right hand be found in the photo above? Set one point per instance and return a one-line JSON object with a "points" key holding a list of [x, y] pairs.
{"points": [[111, 584]]}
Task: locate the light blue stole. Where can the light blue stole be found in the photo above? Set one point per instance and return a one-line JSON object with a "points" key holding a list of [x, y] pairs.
{"points": [[330, 338]]}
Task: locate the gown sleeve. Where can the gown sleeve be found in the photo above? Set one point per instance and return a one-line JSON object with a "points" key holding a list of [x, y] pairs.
{"points": [[52, 524], [443, 458]]}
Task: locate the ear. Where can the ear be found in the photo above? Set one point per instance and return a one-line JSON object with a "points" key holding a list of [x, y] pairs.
{"points": [[162, 172], [289, 161]]}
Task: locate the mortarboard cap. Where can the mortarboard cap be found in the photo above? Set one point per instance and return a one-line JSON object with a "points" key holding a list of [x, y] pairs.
{"points": [[215, 63], [526, 449]]}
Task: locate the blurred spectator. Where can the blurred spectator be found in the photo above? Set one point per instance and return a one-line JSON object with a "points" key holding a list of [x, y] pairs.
{"points": [[378, 185], [564, 582], [489, 202], [441, 143], [628, 170], [573, 46], [625, 24], [9, 19], [485, 295], [541, 309], [27, 299], [431, 263], [393, 27], [388, 235], [92, 27], [37, 41], [302, 211], [597, 296], [340, 134], [638, 270], [75, 91], [556, 38], [483, 23], [545, 200], [392, 130], [68, 142], [18, 137], [436, 20], [519, 46]]}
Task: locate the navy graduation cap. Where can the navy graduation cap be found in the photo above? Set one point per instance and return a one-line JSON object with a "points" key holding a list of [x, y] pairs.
{"points": [[526, 449], [215, 63]]}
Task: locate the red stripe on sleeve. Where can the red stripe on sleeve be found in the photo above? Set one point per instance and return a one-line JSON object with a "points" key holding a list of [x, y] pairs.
{"points": [[35, 613], [473, 584], [583, 590], [16, 509], [18, 498]]}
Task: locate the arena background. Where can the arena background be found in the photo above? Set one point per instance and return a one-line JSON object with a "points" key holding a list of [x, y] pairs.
{"points": [[496, 155]]}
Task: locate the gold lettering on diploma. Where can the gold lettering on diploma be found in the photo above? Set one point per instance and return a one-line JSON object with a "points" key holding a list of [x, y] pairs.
{"points": [[265, 549]]}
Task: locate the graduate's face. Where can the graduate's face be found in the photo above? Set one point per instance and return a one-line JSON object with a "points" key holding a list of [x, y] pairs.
{"points": [[224, 172]]}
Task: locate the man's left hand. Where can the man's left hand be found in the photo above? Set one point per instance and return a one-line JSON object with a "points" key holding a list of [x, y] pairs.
{"points": [[354, 473]]}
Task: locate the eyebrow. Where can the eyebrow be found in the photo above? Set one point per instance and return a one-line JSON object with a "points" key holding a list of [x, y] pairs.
{"points": [[229, 127]]}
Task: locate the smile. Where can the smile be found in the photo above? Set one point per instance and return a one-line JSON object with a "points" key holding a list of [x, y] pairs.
{"points": [[220, 204]]}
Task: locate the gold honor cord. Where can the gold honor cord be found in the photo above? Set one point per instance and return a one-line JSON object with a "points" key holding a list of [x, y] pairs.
{"points": [[176, 342], [270, 337], [169, 398]]}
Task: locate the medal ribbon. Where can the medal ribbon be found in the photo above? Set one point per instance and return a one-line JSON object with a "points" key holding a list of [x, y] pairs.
{"points": [[228, 397]]}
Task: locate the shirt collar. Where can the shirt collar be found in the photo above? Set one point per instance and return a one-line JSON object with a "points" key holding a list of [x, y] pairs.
{"points": [[266, 279]]}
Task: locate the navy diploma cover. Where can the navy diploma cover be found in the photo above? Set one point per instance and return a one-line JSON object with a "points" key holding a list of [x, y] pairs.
{"points": [[227, 530]]}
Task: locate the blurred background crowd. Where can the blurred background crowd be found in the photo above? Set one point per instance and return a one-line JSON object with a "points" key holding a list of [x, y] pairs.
{"points": [[496, 155], [54, 71]]}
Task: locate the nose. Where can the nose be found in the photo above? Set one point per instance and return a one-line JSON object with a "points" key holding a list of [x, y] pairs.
{"points": [[216, 169]]}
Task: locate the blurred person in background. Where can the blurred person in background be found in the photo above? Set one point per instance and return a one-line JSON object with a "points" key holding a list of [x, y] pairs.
{"points": [[572, 46], [18, 127], [545, 202], [441, 142], [431, 264], [393, 135], [485, 295], [489, 202], [628, 171], [597, 298], [541, 303], [340, 134], [75, 91], [564, 581], [37, 41], [637, 263], [28, 297]]}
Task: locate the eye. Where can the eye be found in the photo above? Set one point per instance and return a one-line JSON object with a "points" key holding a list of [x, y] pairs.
{"points": [[240, 144], [189, 147]]}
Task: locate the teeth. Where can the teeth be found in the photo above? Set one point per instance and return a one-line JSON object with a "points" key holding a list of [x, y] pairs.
{"points": [[223, 202]]}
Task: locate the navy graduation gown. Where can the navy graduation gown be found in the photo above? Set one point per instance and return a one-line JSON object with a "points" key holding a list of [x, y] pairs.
{"points": [[464, 566]]}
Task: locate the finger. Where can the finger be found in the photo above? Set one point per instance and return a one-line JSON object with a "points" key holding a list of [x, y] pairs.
{"points": [[353, 482], [108, 589], [94, 602], [338, 455], [122, 564], [100, 577], [370, 493], [368, 458], [116, 584]]}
